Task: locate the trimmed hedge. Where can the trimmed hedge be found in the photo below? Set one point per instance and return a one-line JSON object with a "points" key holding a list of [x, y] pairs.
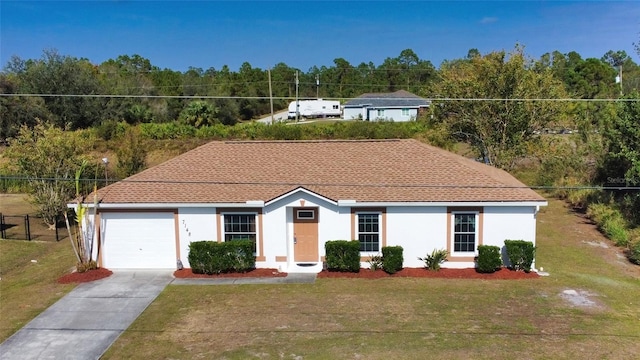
{"points": [[392, 259], [211, 257], [342, 255], [489, 259], [521, 254]]}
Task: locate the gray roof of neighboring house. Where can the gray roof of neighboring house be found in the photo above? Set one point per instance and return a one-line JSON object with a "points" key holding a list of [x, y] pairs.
{"points": [[400, 98]]}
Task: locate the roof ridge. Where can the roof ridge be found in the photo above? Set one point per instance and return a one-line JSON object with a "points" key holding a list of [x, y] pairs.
{"points": [[232, 142]]}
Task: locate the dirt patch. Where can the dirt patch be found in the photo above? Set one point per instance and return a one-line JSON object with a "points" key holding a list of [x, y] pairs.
{"points": [[503, 273], [87, 276], [580, 298], [255, 273]]}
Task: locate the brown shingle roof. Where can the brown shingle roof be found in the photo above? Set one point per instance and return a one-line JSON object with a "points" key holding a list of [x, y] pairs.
{"points": [[361, 170]]}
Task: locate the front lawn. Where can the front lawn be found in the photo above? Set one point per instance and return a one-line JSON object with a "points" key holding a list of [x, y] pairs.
{"points": [[29, 271], [588, 308]]}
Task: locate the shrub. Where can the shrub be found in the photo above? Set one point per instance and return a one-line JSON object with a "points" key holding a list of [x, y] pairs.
{"points": [[634, 253], [435, 259], [610, 222], [489, 259], [392, 259], [520, 253], [210, 257], [342, 255], [375, 262], [86, 266]]}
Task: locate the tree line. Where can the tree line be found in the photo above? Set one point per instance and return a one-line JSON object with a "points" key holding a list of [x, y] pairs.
{"points": [[499, 103], [132, 89]]}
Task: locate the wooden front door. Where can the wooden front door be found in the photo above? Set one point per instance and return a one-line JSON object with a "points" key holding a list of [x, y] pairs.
{"points": [[305, 234]]}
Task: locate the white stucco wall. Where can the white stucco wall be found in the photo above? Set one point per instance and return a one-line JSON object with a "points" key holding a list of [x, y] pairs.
{"points": [[352, 113], [195, 224], [418, 229], [334, 223], [392, 114], [509, 223], [371, 114]]}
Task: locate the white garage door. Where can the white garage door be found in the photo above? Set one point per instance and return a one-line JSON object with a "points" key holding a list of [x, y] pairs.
{"points": [[138, 240]]}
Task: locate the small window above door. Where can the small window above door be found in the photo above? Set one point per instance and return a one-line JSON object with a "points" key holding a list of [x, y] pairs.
{"points": [[305, 214]]}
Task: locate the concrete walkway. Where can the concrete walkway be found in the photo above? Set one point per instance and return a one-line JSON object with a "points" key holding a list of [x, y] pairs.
{"points": [[291, 278], [85, 322]]}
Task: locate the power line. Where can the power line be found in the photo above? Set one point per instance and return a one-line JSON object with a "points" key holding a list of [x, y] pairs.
{"points": [[281, 183], [266, 97]]}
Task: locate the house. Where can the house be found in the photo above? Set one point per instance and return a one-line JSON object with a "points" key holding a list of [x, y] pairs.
{"points": [[290, 197], [397, 106]]}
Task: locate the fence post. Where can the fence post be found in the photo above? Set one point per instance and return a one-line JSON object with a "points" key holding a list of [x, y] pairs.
{"points": [[57, 218], [27, 229], [2, 231]]}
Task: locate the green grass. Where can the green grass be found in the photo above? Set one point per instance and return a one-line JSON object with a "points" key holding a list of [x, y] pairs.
{"points": [[409, 318], [26, 287]]}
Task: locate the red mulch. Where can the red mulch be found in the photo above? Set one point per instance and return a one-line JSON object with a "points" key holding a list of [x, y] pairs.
{"points": [[368, 274], [255, 273], [424, 273], [91, 275]]}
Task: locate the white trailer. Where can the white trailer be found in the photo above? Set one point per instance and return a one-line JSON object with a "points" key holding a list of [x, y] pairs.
{"points": [[315, 108]]}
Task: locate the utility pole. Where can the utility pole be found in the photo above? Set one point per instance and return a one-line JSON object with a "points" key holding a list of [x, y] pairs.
{"points": [[317, 86], [619, 78], [270, 95], [297, 101], [105, 161]]}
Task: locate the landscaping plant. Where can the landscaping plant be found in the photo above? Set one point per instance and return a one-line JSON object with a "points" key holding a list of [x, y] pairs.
{"points": [[489, 259], [343, 255], [82, 239], [375, 262], [392, 259], [435, 259], [521, 254]]}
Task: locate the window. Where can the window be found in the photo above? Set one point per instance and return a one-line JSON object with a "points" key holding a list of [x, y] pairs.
{"points": [[306, 214], [240, 227], [464, 232], [335, 107], [369, 231], [380, 112], [405, 112]]}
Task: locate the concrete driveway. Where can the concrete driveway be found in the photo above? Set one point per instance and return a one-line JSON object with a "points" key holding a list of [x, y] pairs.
{"points": [[84, 323]]}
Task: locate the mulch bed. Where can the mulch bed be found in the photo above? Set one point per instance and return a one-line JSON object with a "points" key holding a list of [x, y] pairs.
{"points": [[91, 275], [368, 274], [503, 273], [506, 274], [255, 273]]}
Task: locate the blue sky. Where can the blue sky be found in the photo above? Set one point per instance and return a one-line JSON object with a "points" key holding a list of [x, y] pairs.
{"points": [[302, 34]]}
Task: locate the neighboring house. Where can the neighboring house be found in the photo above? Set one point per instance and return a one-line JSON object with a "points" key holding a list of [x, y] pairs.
{"points": [[397, 106], [291, 197]]}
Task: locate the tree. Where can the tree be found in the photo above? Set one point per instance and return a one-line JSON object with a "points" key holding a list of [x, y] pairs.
{"points": [[621, 164], [129, 76], [48, 157], [199, 113], [131, 154], [16, 111], [501, 123], [56, 74], [83, 239]]}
